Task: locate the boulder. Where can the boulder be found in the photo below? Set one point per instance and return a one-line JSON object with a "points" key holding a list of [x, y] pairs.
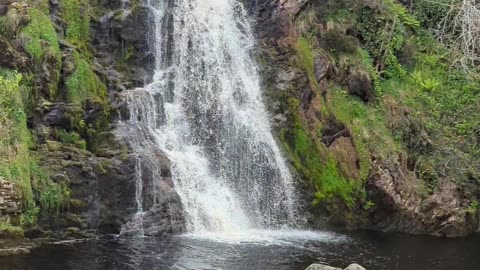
{"points": [[355, 266], [321, 267]]}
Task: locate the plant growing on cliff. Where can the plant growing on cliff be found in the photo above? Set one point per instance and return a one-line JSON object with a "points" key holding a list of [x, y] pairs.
{"points": [[39, 35], [84, 84], [14, 145], [459, 30], [77, 18]]}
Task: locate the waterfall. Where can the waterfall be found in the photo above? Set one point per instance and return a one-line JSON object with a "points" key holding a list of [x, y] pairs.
{"points": [[204, 110]]}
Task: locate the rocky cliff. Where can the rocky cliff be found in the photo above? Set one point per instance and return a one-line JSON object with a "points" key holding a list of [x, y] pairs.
{"points": [[382, 132], [361, 94], [64, 66]]}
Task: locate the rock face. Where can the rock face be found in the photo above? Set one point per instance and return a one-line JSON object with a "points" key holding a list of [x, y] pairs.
{"points": [[76, 140], [300, 94], [10, 198], [401, 208]]}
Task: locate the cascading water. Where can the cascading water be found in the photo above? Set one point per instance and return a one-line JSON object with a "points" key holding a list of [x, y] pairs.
{"points": [[204, 111]]}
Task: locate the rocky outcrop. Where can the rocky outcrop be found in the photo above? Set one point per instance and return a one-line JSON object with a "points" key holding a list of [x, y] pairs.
{"points": [[10, 198], [92, 167], [399, 206]]}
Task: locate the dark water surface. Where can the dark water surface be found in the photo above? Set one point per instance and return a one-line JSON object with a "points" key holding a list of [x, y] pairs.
{"points": [[256, 250]]}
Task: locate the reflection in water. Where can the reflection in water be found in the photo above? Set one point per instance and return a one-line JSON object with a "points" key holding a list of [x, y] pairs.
{"points": [[256, 250]]}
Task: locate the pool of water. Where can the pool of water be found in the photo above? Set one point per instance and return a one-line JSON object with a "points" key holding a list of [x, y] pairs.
{"points": [[256, 250]]}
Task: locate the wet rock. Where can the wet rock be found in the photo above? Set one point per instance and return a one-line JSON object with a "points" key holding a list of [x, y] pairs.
{"points": [[280, 120], [166, 215], [13, 251], [321, 267], [124, 34], [355, 266]]}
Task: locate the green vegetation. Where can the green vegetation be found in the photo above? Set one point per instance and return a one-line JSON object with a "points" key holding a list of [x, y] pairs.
{"points": [[84, 85], [40, 38], [305, 55], [17, 162], [15, 138], [76, 15], [9, 231], [424, 109], [41, 42], [70, 138]]}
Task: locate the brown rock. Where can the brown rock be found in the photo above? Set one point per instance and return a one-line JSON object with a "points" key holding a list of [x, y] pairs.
{"points": [[360, 84]]}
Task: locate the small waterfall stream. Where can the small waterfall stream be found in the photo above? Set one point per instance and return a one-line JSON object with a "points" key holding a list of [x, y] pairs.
{"points": [[204, 110]]}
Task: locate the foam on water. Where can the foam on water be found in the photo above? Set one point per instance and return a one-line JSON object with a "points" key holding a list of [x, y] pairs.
{"points": [[286, 237]]}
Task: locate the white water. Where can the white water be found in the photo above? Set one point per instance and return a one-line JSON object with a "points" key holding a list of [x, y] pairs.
{"points": [[204, 110]]}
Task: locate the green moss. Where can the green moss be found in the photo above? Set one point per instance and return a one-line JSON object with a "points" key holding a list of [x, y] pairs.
{"points": [[41, 42], [314, 163], [84, 84], [40, 36], [76, 15]]}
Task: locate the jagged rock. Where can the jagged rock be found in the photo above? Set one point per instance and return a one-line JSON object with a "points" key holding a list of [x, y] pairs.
{"points": [[279, 120], [10, 198], [10, 58], [321, 66], [166, 216], [355, 266], [321, 267], [400, 206]]}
